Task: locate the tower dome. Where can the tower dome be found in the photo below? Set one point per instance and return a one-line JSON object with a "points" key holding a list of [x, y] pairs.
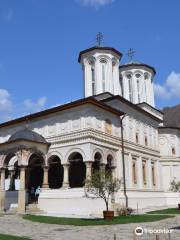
{"points": [[136, 80]]}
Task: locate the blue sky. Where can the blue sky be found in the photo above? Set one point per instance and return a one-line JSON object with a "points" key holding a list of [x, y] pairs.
{"points": [[40, 41]]}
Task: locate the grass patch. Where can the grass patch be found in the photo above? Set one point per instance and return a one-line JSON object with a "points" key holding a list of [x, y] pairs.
{"points": [[10, 237], [94, 222], [166, 211]]}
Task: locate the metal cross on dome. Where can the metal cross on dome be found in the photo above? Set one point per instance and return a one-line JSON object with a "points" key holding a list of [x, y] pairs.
{"points": [[131, 53], [99, 38]]}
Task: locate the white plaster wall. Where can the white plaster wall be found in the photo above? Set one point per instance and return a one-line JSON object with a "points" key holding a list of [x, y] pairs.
{"points": [[135, 121], [67, 121]]}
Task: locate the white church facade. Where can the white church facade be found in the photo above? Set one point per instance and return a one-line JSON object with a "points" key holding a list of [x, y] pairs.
{"points": [[115, 126]]}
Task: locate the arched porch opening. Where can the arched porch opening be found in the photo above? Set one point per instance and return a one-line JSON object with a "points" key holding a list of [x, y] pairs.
{"points": [[109, 164], [97, 162], [77, 170], [35, 171], [55, 172], [11, 172]]}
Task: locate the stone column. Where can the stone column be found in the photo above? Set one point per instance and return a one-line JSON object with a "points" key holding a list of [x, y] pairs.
{"points": [[88, 170], [45, 177], [66, 175], [22, 191], [139, 173], [157, 174], [130, 179], [2, 190], [149, 174]]}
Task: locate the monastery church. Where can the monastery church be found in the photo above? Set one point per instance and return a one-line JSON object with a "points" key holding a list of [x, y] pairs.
{"points": [[115, 126]]}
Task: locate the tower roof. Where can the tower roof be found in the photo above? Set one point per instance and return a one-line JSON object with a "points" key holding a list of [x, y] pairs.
{"points": [[137, 64], [98, 48]]}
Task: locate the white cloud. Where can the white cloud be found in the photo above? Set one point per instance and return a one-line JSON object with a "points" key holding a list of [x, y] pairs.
{"points": [[5, 105], [95, 3], [10, 110], [35, 106], [171, 87]]}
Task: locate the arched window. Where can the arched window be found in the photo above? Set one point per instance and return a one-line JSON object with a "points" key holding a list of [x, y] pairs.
{"points": [[138, 90], [134, 171], [173, 151], [146, 77], [108, 126], [144, 172], [129, 77], [93, 81], [103, 69], [153, 174], [145, 140], [137, 137], [121, 84]]}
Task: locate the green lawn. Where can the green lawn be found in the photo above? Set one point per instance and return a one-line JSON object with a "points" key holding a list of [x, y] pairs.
{"points": [[88, 222], [10, 237], [166, 211]]}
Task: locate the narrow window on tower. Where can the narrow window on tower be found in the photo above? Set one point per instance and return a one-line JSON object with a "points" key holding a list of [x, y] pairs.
{"points": [[121, 84], [138, 90], [130, 87], [103, 73], [93, 82], [103, 76]]}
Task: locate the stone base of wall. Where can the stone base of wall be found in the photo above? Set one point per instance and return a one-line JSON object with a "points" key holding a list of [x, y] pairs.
{"points": [[70, 203], [74, 203]]}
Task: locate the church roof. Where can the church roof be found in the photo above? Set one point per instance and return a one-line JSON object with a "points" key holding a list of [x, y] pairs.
{"points": [[63, 107], [27, 134], [137, 64], [98, 48]]}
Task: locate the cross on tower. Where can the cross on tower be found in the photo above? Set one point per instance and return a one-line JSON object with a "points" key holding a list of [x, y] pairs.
{"points": [[99, 38], [131, 53]]}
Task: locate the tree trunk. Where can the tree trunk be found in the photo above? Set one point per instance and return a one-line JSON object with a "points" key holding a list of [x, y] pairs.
{"points": [[107, 206]]}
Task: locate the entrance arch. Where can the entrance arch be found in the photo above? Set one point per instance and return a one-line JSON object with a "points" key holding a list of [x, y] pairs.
{"points": [[77, 170], [97, 162], [35, 171], [11, 172], [55, 172]]}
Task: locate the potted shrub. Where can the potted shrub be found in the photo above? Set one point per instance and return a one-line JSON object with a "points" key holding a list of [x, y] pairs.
{"points": [[175, 187], [103, 185]]}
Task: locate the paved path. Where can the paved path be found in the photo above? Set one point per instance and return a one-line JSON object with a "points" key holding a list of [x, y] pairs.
{"points": [[15, 225]]}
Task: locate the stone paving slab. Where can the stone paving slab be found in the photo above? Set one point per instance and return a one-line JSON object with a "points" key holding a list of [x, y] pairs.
{"points": [[15, 225]]}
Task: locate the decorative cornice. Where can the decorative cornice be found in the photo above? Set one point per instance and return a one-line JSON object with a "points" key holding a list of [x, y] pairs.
{"points": [[92, 135]]}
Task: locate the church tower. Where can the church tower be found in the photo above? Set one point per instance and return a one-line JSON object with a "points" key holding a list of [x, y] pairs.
{"points": [[136, 80], [101, 70], [103, 73]]}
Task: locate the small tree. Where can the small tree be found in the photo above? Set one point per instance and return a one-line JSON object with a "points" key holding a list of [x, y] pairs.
{"points": [[175, 186], [102, 185]]}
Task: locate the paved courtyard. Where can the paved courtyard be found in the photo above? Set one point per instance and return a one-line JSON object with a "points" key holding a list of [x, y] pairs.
{"points": [[15, 225]]}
